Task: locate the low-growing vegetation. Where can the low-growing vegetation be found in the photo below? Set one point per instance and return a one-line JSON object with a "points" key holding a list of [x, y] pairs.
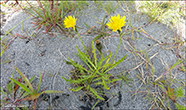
{"points": [[92, 75]]}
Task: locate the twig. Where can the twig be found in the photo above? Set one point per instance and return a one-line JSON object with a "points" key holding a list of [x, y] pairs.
{"points": [[62, 54]]}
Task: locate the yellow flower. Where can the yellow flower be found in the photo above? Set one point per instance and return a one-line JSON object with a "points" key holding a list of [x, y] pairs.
{"points": [[116, 23], [70, 22]]}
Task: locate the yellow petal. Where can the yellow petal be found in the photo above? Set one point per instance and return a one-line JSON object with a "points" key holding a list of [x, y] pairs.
{"points": [[70, 22], [116, 23]]}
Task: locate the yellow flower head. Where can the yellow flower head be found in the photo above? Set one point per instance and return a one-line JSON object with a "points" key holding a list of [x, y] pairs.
{"points": [[116, 23], [70, 22]]}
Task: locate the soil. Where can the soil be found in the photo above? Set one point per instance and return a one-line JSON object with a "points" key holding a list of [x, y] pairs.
{"points": [[48, 54]]}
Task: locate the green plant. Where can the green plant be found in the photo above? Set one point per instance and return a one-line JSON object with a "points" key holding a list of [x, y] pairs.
{"points": [[97, 72], [102, 31], [6, 43], [167, 92], [109, 7], [125, 79], [9, 96], [27, 91], [172, 93], [98, 4], [173, 66], [50, 14], [8, 61], [165, 12]]}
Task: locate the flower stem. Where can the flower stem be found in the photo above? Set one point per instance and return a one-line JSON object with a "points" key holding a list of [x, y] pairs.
{"points": [[81, 41], [118, 46]]}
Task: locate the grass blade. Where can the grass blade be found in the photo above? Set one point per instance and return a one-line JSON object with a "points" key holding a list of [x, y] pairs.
{"points": [[21, 85], [121, 60], [78, 65], [84, 56], [32, 97], [39, 82], [26, 94], [84, 60], [16, 26], [95, 93], [87, 25], [26, 79], [95, 55], [52, 91], [2, 90], [77, 89], [2, 52], [105, 85]]}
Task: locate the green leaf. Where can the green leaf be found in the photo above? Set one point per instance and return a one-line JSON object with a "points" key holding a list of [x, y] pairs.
{"points": [[2, 52], [183, 68], [79, 66], [107, 64], [2, 90], [162, 87], [10, 87], [103, 24], [17, 108], [31, 80], [84, 60], [21, 85], [104, 77], [33, 97], [101, 61], [99, 83], [68, 63], [110, 55], [94, 74], [87, 25], [78, 81], [65, 78], [95, 105], [107, 75], [95, 93], [99, 78], [77, 89], [39, 82], [26, 79], [114, 80], [180, 107], [117, 63], [105, 85], [97, 71], [125, 78], [84, 56], [180, 92], [52, 91], [97, 37], [85, 77], [178, 62], [153, 69], [94, 51], [26, 94]]}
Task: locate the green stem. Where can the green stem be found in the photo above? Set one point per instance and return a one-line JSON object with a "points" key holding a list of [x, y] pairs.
{"points": [[101, 54], [82, 41], [118, 47]]}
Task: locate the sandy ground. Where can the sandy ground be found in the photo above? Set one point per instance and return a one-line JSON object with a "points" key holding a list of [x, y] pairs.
{"points": [[49, 54]]}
